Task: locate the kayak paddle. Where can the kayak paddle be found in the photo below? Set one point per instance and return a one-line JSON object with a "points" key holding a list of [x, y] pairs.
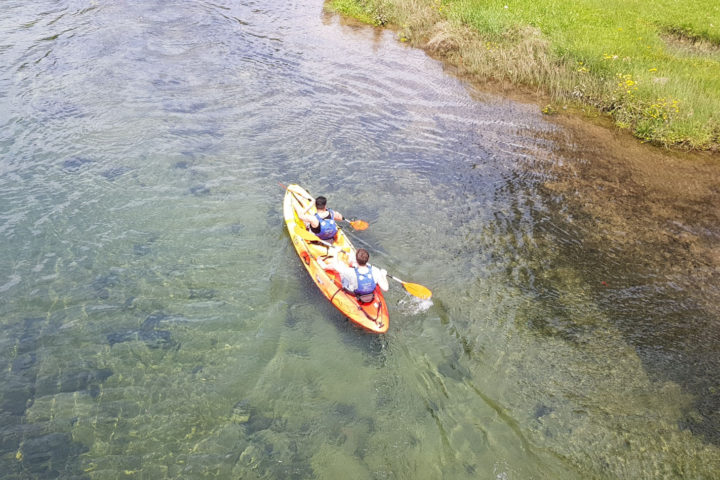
{"points": [[355, 223], [414, 289]]}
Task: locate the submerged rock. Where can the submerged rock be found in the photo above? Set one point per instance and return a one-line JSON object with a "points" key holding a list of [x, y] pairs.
{"points": [[240, 412], [148, 333], [48, 455]]}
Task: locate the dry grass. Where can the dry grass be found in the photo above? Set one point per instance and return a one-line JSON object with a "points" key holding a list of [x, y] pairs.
{"points": [[682, 44]]}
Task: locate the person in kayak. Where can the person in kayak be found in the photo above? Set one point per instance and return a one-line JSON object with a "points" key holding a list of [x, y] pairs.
{"points": [[324, 222], [360, 278]]}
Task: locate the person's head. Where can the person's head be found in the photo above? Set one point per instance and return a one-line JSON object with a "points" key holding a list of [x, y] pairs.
{"points": [[320, 203], [362, 256]]}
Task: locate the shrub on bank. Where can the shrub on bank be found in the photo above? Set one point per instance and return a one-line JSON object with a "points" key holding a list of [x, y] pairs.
{"points": [[654, 67]]}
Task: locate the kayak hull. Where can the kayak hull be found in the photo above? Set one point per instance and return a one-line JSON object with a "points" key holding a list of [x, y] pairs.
{"points": [[372, 317]]}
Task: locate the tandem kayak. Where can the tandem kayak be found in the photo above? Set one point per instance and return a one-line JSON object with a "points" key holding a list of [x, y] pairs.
{"points": [[371, 316]]}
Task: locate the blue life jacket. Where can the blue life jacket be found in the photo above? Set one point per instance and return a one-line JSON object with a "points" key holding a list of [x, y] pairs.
{"points": [[366, 282], [327, 228]]}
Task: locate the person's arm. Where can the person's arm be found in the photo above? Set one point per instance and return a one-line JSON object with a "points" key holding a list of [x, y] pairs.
{"points": [[325, 265], [338, 216], [310, 220], [380, 275], [309, 206], [334, 263], [305, 216]]}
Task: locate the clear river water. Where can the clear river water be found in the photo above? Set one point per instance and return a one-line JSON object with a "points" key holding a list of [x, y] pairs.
{"points": [[155, 321]]}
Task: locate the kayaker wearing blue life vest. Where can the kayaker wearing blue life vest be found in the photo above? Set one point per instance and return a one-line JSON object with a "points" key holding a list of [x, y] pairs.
{"points": [[324, 222], [360, 277]]}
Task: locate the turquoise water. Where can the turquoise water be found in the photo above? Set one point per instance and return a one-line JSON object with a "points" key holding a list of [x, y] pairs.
{"points": [[157, 323]]}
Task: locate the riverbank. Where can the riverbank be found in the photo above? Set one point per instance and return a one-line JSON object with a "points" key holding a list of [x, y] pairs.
{"points": [[653, 212], [654, 70]]}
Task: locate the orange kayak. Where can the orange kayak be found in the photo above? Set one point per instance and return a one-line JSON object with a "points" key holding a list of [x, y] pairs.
{"points": [[372, 316]]}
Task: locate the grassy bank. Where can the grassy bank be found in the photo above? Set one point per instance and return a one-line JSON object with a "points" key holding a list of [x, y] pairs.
{"points": [[652, 66]]}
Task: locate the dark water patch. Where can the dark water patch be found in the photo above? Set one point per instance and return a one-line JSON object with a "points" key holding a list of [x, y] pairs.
{"points": [[345, 412], [22, 363], [75, 164], [144, 248], [15, 429], [148, 334], [37, 450], [291, 321], [172, 82], [237, 229], [141, 249], [199, 190], [181, 165], [27, 339], [556, 321], [102, 284], [18, 389], [183, 108], [18, 395], [276, 456], [541, 410], [452, 368], [115, 172], [196, 133]]}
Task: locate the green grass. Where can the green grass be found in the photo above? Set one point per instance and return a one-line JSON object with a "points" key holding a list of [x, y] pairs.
{"points": [[355, 9], [653, 66]]}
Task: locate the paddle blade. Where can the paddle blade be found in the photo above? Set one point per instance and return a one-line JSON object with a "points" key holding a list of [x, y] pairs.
{"points": [[416, 290], [359, 224], [304, 234]]}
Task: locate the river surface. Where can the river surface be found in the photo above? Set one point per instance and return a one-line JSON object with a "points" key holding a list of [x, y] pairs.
{"points": [[157, 323]]}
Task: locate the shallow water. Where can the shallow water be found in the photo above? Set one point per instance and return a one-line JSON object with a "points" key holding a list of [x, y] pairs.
{"points": [[156, 322]]}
